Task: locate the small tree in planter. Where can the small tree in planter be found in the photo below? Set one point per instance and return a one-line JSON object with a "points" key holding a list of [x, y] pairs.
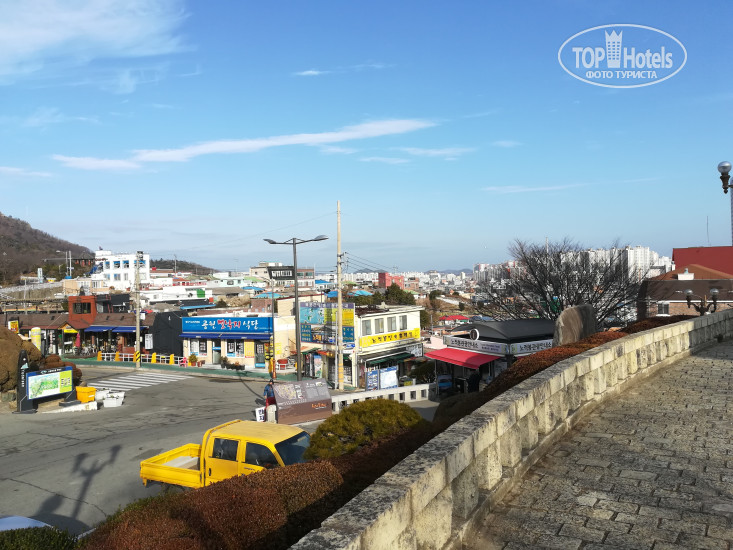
{"points": [[193, 360]]}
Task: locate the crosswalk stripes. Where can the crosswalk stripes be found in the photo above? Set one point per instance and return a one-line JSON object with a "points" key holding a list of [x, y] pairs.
{"points": [[127, 382]]}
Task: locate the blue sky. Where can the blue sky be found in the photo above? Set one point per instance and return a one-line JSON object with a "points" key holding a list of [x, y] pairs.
{"points": [[446, 129]]}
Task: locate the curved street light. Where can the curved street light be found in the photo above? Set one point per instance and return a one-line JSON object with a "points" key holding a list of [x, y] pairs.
{"points": [[295, 241], [724, 169], [704, 306]]}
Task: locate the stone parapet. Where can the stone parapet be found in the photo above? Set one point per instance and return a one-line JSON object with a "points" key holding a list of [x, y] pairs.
{"points": [[433, 498]]}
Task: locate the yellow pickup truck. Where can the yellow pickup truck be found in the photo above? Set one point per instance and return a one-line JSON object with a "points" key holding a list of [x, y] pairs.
{"points": [[235, 448]]}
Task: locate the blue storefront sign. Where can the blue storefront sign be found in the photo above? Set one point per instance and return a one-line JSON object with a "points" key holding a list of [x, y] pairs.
{"points": [[228, 325]]}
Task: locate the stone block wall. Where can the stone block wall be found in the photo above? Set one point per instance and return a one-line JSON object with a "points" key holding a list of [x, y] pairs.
{"points": [[431, 499]]}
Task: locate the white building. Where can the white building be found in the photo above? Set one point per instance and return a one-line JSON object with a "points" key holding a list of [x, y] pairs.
{"points": [[117, 271]]}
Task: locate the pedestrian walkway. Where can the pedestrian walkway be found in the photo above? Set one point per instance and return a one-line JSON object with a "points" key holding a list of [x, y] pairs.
{"points": [[651, 468], [127, 382]]}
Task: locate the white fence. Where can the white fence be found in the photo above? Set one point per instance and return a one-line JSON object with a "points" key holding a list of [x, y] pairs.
{"points": [[403, 394]]}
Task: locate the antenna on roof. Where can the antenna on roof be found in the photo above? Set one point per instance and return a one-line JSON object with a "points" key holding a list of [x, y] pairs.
{"points": [[707, 224]]}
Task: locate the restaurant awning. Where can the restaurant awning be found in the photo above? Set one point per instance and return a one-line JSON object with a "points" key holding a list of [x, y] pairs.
{"points": [[125, 329], [461, 357], [98, 328]]}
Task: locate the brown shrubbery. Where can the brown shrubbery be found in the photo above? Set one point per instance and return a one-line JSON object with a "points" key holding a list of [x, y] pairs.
{"points": [[10, 346]]}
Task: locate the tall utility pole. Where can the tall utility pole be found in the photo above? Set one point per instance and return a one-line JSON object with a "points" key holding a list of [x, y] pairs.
{"points": [[339, 314], [138, 259]]}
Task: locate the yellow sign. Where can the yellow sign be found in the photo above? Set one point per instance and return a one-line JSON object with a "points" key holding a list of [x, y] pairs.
{"points": [[14, 326], [137, 356], [367, 341], [249, 349]]}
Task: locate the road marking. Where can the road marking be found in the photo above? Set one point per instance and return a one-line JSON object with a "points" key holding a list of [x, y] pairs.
{"points": [[135, 381]]}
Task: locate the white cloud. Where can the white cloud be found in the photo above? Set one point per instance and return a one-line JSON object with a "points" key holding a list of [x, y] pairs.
{"points": [[311, 72], [448, 153], [49, 36], [44, 116], [385, 160], [12, 171], [343, 70], [90, 163], [359, 131], [506, 143]]}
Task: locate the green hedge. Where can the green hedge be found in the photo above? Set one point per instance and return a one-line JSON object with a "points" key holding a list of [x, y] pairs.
{"points": [[35, 538], [360, 424]]}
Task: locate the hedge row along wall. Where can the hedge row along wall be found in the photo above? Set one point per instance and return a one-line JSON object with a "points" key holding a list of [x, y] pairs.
{"points": [[432, 498]]}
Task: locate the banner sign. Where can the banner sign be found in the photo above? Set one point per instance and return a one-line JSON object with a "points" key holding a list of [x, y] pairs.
{"points": [[479, 346], [367, 341], [259, 325], [302, 401], [372, 379], [388, 378], [281, 273], [319, 322]]}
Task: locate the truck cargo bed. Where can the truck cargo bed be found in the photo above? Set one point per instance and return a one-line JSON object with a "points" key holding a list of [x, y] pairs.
{"points": [[177, 467]]}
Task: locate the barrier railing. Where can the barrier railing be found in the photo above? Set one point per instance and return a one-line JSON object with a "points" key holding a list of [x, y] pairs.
{"points": [[153, 358], [403, 394]]}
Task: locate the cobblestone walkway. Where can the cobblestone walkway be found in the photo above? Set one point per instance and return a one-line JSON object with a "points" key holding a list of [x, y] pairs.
{"points": [[651, 468]]}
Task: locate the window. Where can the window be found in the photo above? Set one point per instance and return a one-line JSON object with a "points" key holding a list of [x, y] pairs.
{"points": [[366, 327], [403, 322], [663, 308], [259, 455], [378, 326], [117, 277], [202, 347], [391, 324], [225, 449], [82, 307]]}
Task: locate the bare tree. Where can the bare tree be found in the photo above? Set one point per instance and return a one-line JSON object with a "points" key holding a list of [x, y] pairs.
{"points": [[549, 277]]}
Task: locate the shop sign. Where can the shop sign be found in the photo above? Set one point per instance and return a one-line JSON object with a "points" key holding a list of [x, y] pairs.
{"points": [[260, 325], [525, 348], [281, 273], [376, 339], [479, 346]]}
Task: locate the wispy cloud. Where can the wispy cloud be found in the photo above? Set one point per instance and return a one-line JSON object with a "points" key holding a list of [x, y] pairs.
{"points": [[45, 116], [46, 39], [384, 160], [506, 143], [311, 72], [348, 133], [448, 153], [13, 171], [506, 189], [90, 163], [343, 70]]}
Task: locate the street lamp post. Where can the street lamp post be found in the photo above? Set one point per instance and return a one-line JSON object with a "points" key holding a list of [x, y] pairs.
{"points": [[724, 169], [704, 305], [295, 241]]}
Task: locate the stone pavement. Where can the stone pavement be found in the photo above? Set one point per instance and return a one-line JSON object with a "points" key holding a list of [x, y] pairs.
{"points": [[651, 468]]}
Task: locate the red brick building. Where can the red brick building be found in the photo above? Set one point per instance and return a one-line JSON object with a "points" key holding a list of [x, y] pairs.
{"points": [[385, 280]]}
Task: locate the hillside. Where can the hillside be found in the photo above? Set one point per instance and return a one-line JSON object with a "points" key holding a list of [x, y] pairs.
{"points": [[181, 265], [23, 249]]}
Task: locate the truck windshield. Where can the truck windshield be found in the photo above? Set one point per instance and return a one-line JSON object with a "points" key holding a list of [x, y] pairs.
{"points": [[291, 450]]}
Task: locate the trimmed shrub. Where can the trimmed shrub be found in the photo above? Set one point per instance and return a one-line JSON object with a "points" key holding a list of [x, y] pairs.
{"points": [[654, 322], [37, 537], [360, 424], [269, 509]]}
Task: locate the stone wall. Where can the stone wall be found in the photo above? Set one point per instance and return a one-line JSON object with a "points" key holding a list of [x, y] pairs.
{"points": [[431, 499]]}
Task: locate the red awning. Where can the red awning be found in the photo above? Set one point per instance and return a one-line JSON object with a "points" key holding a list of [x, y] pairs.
{"points": [[461, 357]]}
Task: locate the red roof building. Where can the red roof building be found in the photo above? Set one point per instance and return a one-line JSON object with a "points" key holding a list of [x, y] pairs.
{"points": [[719, 258]]}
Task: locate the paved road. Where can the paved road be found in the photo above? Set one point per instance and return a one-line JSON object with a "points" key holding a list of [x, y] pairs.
{"points": [[650, 469], [75, 468]]}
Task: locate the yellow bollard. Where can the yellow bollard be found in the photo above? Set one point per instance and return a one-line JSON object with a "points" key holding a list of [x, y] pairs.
{"points": [[171, 360], [153, 359], [99, 356], [117, 356]]}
